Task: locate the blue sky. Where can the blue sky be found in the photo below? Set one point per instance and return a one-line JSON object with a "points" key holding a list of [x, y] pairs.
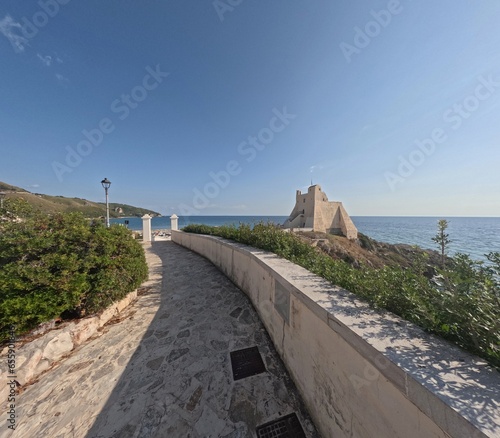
{"points": [[228, 107]]}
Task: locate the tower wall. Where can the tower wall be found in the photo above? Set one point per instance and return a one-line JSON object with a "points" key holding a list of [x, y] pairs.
{"points": [[313, 210]]}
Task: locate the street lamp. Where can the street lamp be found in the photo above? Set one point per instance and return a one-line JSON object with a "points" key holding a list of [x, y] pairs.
{"points": [[106, 183], [2, 196]]}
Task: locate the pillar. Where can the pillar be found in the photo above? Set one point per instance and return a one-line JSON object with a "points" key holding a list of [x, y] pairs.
{"points": [[146, 228], [174, 225]]}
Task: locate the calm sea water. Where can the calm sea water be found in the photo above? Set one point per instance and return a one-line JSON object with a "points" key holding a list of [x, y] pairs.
{"points": [[163, 223], [471, 235], [476, 236]]}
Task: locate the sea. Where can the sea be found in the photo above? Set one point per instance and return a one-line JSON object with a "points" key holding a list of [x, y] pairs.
{"points": [[475, 236]]}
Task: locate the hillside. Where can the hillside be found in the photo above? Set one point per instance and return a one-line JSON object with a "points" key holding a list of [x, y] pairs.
{"points": [[370, 252], [4, 187], [53, 204]]}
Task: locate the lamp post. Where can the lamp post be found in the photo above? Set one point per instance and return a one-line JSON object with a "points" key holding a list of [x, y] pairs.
{"points": [[106, 183], [2, 196]]}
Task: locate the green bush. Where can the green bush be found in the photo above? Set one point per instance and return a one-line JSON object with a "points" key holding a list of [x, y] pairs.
{"points": [[463, 306], [117, 265], [62, 265]]}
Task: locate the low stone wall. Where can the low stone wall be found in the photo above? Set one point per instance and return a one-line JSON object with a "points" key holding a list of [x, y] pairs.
{"points": [[35, 357], [360, 373]]}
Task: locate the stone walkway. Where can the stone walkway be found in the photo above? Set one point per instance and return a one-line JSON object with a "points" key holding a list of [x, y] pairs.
{"points": [[164, 370]]}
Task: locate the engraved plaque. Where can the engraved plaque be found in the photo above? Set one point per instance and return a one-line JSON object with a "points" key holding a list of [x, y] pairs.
{"points": [[282, 301]]}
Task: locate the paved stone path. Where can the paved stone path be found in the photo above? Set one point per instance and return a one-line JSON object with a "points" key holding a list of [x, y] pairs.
{"points": [[164, 370]]}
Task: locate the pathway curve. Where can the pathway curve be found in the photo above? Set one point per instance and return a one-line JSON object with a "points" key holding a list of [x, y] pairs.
{"points": [[164, 370]]}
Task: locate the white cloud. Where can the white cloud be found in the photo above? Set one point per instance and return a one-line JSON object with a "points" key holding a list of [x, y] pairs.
{"points": [[59, 60], [316, 167], [47, 59], [323, 167], [62, 78], [7, 28]]}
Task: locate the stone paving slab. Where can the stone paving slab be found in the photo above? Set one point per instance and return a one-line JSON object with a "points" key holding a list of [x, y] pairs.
{"points": [[164, 370]]}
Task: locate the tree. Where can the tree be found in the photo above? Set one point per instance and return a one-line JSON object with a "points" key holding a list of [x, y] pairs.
{"points": [[441, 238]]}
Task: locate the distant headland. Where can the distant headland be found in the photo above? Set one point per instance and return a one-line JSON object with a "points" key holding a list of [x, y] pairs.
{"points": [[60, 204]]}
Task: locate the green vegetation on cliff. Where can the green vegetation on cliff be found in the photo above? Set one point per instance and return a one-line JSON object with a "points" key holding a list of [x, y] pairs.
{"points": [[59, 204], [62, 266], [4, 187], [461, 303]]}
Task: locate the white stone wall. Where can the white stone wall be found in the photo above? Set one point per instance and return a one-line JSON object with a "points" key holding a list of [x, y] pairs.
{"points": [[361, 373]]}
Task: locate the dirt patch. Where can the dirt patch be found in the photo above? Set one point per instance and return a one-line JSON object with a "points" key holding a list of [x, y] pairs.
{"points": [[120, 317], [145, 290], [369, 252]]}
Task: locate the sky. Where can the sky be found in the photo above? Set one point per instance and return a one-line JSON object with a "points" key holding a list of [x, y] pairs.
{"points": [[228, 107]]}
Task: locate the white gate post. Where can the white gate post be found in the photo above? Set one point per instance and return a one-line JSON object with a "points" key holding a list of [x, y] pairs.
{"points": [[174, 222], [146, 228]]}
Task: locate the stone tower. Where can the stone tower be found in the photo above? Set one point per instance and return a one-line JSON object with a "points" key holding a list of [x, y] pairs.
{"points": [[313, 211]]}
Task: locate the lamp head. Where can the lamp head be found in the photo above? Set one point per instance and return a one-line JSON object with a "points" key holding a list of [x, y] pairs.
{"points": [[106, 183]]}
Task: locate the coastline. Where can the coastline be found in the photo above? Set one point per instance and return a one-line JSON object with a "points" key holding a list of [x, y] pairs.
{"points": [[475, 236]]}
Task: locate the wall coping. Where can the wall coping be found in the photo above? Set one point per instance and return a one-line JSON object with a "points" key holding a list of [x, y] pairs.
{"points": [[431, 372]]}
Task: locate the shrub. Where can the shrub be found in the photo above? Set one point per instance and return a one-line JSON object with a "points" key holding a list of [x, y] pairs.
{"points": [[463, 308], [117, 265], [62, 265]]}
